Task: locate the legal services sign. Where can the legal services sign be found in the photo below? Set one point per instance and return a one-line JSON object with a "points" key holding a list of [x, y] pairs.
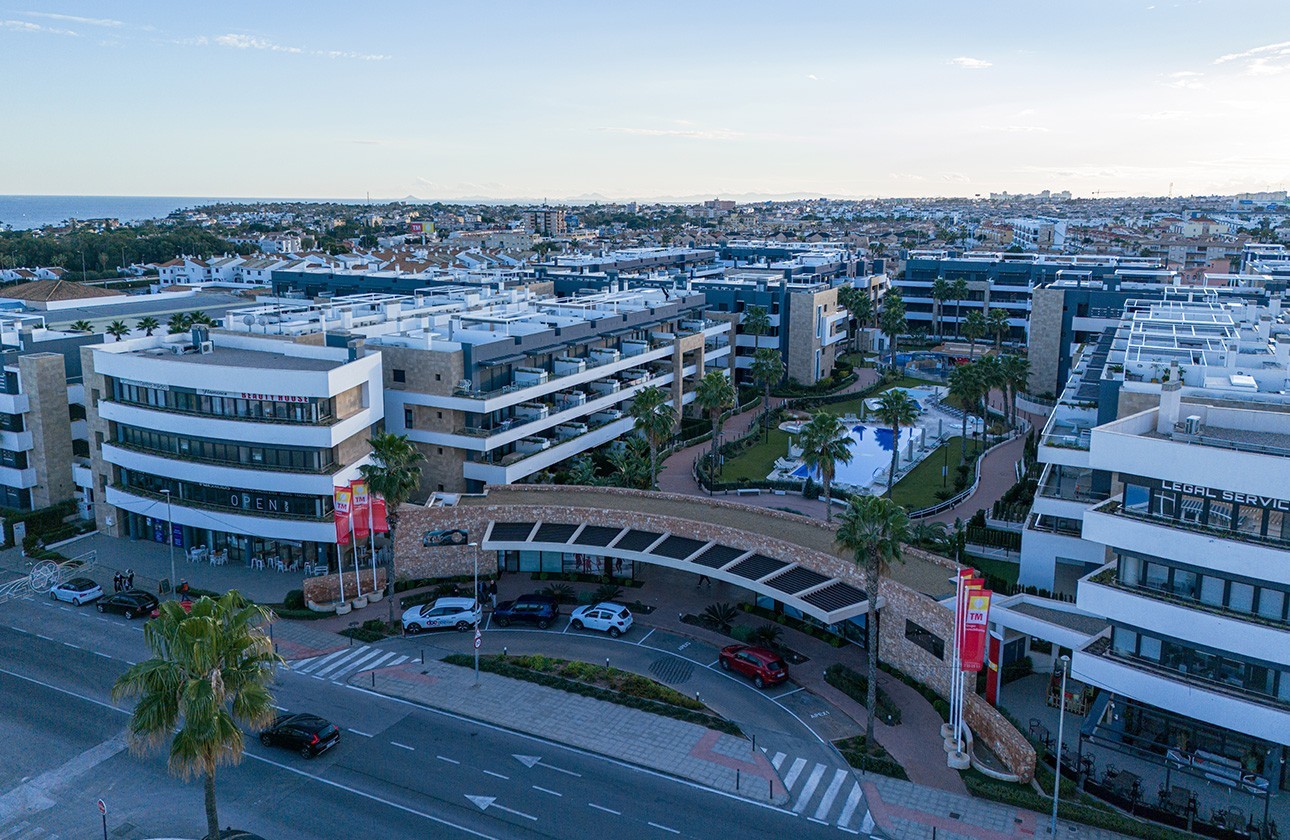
{"points": [[1266, 502]]}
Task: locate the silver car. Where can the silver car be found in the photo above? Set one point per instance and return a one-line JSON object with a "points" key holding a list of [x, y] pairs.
{"points": [[76, 591]]}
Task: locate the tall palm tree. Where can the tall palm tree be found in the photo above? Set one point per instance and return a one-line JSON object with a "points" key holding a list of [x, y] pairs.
{"points": [[118, 330], [655, 419], [892, 320], [148, 324], [714, 394], [81, 326], [394, 474], [997, 325], [929, 535], [756, 322], [873, 529], [942, 291], [862, 310], [767, 369], [965, 384], [896, 410], [178, 323], [825, 443], [958, 291], [974, 327], [210, 671], [1016, 376]]}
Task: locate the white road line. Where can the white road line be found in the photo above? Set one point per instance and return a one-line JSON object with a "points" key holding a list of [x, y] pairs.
{"points": [[100, 653], [43, 636], [665, 828], [849, 830], [606, 810], [799, 765], [403, 746], [646, 636], [279, 708], [70, 645], [849, 808], [496, 775], [830, 794], [358, 732], [447, 759], [714, 663], [794, 691], [340, 667], [814, 820], [372, 666], [808, 789], [304, 666], [778, 760], [548, 790], [559, 769]]}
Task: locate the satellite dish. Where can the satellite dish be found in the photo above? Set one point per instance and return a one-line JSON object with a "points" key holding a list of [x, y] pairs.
{"points": [[248, 320]]}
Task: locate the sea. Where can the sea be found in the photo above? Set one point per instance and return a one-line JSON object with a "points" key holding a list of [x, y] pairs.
{"points": [[22, 212]]}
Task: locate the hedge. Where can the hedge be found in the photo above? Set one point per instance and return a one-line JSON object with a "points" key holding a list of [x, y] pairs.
{"points": [[496, 665], [856, 685], [939, 703], [876, 760]]}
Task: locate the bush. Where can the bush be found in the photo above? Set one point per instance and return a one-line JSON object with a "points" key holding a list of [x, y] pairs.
{"points": [[561, 592], [767, 635], [741, 633], [294, 600], [941, 705], [868, 759], [719, 617], [856, 686], [607, 592]]}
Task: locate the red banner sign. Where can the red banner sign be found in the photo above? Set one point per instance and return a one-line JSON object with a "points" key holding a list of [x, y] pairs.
{"points": [[379, 523], [976, 619], [360, 509], [341, 510]]}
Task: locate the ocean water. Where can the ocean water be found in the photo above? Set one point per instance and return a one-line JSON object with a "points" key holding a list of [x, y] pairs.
{"points": [[32, 211]]}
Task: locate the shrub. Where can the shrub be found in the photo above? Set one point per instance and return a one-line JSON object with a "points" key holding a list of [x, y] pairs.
{"points": [[867, 758], [856, 686], [719, 617], [607, 592], [561, 592], [295, 600], [586, 597], [767, 635], [741, 633]]}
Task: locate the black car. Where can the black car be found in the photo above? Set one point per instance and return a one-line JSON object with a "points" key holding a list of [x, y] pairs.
{"points": [[310, 735], [130, 603], [534, 609]]}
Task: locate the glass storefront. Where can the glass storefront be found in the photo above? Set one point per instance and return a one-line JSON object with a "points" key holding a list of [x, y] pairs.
{"points": [[559, 562], [240, 547]]}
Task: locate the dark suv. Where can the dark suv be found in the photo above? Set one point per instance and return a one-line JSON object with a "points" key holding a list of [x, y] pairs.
{"points": [[308, 734], [533, 609]]}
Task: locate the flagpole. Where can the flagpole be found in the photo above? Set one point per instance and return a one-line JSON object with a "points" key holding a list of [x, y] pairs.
{"points": [[340, 563]]}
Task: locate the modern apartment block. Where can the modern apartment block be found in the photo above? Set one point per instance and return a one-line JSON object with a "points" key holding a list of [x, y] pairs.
{"points": [[496, 386], [234, 440], [547, 221]]}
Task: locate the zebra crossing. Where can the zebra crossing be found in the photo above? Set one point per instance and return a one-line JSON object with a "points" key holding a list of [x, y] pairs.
{"points": [[823, 793], [339, 665]]}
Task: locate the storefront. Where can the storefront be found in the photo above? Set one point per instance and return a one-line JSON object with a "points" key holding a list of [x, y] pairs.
{"points": [[241, 548], [559, 562]]}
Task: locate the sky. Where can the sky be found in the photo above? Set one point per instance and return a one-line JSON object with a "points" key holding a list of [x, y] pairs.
{"points": [[641, 100]]}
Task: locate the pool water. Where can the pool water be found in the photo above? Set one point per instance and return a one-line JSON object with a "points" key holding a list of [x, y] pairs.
{"points": [[870, 451]]}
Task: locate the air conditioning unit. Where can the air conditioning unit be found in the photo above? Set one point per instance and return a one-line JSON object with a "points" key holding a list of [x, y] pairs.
{"points": [[1192, 424], [206, 347], [178, 349]]}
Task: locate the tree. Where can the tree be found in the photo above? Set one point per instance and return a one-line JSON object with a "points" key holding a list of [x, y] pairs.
{"points": [[998, 326], [896, 410], [632, 465], [958, 291], [825, 443], [974, 327], [118, 330], [990, 372], [655, 420], [148, 324], [929, 535], [200, 318], [178, 323], [859, 309], [873, 529], [767, 369], [891, 320], [1016, 377], [942, 291], [394, 474], [81, 326], [582, 471], [714, 394], [210, 671], [756, 322], [965, 384]]}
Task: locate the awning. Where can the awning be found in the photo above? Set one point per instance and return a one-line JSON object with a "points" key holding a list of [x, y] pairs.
{"points": [[503, 360]]}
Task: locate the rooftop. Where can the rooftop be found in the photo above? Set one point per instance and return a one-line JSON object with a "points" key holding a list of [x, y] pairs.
{"points": [[241, 358]]}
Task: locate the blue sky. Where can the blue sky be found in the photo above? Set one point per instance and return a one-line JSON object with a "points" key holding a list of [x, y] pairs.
{"points": [[640, 100]]}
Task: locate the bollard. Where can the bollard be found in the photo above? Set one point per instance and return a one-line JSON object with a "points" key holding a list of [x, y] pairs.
{"points": [[754, 737], [606, 661], [736, 778], [504, 651], [373, 679]]}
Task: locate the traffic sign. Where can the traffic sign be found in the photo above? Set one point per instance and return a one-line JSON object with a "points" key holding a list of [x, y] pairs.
{"points": [[479, 640], [102, 807]]}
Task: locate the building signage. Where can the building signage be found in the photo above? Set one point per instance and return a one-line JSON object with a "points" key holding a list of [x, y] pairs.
{"points": [[243, 395], [1266, 502], [976, 618], [258, 501], [138, 384]]}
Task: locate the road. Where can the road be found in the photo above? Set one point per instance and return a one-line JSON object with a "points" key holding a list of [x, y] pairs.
{"points": [[400, 770]]}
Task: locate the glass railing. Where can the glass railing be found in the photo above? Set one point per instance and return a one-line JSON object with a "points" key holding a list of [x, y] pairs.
{"points": [[1115, 508], [236, 465], [1195, 678]]}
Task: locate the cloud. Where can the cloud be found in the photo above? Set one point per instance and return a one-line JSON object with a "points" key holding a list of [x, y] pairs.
{"points": [[248, 42], [1267, 60], [251, 42], [1161, 116], [108, 22], [693, 134], [1016, 129], [812, 77], [971, 63], [28, 26]]}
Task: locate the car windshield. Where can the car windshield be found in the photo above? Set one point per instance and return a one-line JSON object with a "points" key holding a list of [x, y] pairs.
{"points": [[624, 614]]}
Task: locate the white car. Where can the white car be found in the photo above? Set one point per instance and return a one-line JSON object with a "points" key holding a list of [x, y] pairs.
{"points": [[614, 619], [76, 591], [459, 613]]}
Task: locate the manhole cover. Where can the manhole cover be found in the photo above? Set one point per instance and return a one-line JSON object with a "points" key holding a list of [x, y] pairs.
{"points": [[671, 670]]}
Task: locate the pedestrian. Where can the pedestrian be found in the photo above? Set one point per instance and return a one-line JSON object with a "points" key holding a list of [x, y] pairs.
{"points": [[492, 593], [116, 581], [129, 578], [183, 587], [704, 579]]}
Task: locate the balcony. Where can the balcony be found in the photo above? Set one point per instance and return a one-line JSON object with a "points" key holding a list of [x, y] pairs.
{"points": [[635, 347], [602, 356], [1115, 508], [565, 366], [526, 377], [1070, 484]]}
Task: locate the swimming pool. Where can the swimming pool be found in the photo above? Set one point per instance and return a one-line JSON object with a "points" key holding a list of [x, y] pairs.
{"points": [[870, 451]]}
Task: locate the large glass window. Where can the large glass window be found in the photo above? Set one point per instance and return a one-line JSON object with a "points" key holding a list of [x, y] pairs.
{"points": [[1272, 603], [1240, 597], [247, 407], [1136, 498], [253, 502], [1211, 591], [225, 452]]}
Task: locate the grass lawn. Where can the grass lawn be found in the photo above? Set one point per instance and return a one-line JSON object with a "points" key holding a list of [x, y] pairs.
{"points": [[852, 406], [998, 568], [755, 463], [918, 489]]}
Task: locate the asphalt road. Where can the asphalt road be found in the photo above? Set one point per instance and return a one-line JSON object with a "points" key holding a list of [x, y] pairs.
{"points": [[399, 771]]}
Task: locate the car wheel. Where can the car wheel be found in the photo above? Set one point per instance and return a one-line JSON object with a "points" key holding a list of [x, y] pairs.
{"points": [[543, 624], [129, 615], [615, 632], [305, 752], [463, 626], [759, 682], [413, 629], [53, 596], [266, 739], [576, 624], [503, 622], [725, 664], [102, 608]]}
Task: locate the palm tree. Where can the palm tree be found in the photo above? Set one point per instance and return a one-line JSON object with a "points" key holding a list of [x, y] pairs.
{"points": [[896, 410], [178, 323], [930, 535], [859, 309], [990, 371], [756, 322], [632, 466], [767, 369], [582, 471], [965, 384], [655, 419], [148, 324], [998, 326], [394, 474], [892, 320], [210, 671], [958, 291], [200, 318], [873, 529], [825, 443], [942, 291], [118, 330], [81, 326], [714, 394], [1016, 376], [974, 327]]}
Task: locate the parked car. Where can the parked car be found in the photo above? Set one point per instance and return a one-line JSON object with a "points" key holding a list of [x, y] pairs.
{"points": [[530, 609], [460, 613], [76, 591], [309, 735], [614, 619], [130, 603], [763, 665]]}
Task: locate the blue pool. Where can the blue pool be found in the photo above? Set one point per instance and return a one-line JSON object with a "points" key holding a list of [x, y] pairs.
{"points": [[870, 451]]}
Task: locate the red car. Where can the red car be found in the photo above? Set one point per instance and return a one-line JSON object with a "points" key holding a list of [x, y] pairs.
{"points": [[763, 665]]}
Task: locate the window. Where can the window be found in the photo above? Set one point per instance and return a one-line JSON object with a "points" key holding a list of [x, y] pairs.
{"points": [[925, 639], [438, 377], [399, 375], [1272, 603], [409, 419], [1136, 498], [1240, 597]]}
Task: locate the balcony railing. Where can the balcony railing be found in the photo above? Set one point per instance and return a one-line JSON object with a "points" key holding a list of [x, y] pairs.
{"points": [[1196, 679], [321, 422], [190, 503], [1115, 508], [1110, 579], [236, 465]]}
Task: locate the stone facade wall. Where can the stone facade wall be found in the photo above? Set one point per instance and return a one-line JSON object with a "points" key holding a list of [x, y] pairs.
{"points": [[353, 448], [44, 380], [349, 402], [1045, 348], [326, 589]]}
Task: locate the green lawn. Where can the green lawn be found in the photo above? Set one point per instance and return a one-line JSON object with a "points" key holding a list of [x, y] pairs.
{"points": [[755, 463], [998, 568], [918, 489], [853, 405]]}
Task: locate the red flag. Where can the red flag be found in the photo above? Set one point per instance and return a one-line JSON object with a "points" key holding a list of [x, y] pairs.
{"points": [[360, 509], [380, 524], [976, 619], [340, 512]]}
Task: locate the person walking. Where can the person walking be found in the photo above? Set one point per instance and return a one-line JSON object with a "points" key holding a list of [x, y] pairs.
{"points": [[492, 593], [129, 578], [704, 579], [116, 581]]}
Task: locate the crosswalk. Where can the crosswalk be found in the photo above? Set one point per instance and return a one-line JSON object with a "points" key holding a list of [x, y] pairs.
{"points": [[823, 793], [339, 665], [24, 830]]}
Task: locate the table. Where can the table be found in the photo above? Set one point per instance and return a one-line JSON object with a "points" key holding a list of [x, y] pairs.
{"points": [[1177, 799]]}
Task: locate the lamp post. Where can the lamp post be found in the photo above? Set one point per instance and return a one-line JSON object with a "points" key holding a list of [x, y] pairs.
{"points": [[1061, 724], [479, 603], [170, 539]]}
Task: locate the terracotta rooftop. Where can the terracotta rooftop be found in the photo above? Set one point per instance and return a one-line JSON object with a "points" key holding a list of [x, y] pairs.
{"points": [[55, 290]]}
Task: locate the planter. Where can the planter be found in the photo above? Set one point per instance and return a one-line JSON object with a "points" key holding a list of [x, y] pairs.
{"points": [[958, 761], [359, 602], [376, 596], [322, 608], [343, 608]]}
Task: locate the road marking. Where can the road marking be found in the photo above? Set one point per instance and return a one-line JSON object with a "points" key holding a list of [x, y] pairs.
{"points": [[794, 691], [831, 793], [304, 666], [665, 828], [778, 760], [646, 636], [70, 645], [808, 789], [714, 663], [403, 746], [100, 653], [606, 810], [532, 761], [548, 790], [849, 809], [486, 802], [814, 820], [447, 759], [849, 830], [43, 636], [793, 772], [497, 775], [357, 732], [279, 708]]}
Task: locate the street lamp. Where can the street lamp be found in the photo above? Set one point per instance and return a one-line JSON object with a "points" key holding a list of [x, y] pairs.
{"points": [[170, 539], [479, 602], [1061, 723]]}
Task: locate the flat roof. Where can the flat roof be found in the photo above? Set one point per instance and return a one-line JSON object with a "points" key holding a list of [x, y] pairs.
{"points": [[237, 357], [1086, 624]]}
